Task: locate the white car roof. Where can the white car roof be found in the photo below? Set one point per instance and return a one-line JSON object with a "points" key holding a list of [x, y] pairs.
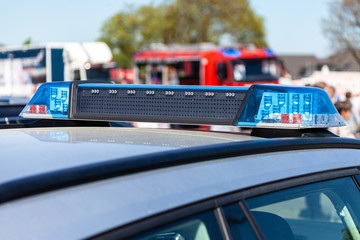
{"points": [[125, 199], [27, 152]]}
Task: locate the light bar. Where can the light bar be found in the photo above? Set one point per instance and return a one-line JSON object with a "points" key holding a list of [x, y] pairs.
{"points": [[51, 100], [275, 106], [263, 106]]}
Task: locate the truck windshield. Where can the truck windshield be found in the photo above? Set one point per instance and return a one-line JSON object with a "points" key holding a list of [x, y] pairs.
{"points": [[98, 73], [255, 70]]}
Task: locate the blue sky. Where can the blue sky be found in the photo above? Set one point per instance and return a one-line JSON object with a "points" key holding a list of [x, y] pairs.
{"points": [[292, 27], [295, 26]]}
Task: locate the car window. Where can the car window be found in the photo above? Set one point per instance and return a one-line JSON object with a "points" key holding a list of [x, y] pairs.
{"points": [[357, 177], [325, 210], [202, 226], [239, 226]]}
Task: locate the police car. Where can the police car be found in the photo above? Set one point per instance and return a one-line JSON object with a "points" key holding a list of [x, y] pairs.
{"points": [[289, 178]]}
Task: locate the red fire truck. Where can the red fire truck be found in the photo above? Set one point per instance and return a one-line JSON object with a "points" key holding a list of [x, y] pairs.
{"points": [[205, 64]]}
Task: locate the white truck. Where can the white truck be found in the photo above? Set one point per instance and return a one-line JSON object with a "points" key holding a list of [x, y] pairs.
{"points": [[23, 68]]}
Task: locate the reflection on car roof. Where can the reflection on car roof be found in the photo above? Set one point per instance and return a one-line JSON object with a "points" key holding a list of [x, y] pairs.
{"points": [[60, 148]]}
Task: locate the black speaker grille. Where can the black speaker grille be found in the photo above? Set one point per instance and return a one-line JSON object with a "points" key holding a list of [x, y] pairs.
{"points": [[158, 105]]}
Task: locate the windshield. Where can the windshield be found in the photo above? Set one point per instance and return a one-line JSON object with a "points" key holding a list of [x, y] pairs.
{"points": [[255, 70], [98, 73]]}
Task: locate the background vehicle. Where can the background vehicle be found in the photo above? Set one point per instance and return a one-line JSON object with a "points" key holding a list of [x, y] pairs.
{"points": [[205, 64], [23, 68]]}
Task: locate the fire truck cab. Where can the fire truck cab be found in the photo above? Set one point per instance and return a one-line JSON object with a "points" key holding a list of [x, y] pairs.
{"points": [[205, 64]]}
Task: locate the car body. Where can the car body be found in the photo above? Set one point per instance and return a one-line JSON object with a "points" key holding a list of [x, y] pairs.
{"points": [[133, 183]]}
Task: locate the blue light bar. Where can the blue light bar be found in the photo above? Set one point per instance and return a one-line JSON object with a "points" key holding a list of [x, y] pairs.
{"points": [[51, 100], [269, 53], [264, 106], [231, 53], [275, 106]]}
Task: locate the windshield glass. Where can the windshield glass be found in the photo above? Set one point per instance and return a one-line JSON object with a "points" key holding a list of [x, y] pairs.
{"points": [[98, 73], [255, 69]]}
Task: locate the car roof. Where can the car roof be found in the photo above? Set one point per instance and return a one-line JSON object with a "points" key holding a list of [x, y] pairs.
{"points": [[129, 197], [43, 150], [54, 158]]}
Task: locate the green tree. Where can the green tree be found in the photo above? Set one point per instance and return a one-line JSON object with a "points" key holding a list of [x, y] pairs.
{"points": [[127, 32], [343, 26], [185, 21], [27, 41], [210, 20], [119, 32]]}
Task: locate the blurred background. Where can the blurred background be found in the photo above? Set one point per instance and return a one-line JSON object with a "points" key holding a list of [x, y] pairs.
{"points": [[309, 43], [303, 34]]}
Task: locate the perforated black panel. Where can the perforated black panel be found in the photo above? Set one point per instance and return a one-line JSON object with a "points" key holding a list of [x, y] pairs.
{"points": [[158, 105]]}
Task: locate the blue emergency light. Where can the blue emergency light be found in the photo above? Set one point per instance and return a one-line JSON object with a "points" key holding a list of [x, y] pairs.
{"points": [[262, 106], [231, 52]]}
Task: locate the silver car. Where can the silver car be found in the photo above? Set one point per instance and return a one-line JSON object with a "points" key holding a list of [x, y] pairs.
{"points": [[284, 176]]}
